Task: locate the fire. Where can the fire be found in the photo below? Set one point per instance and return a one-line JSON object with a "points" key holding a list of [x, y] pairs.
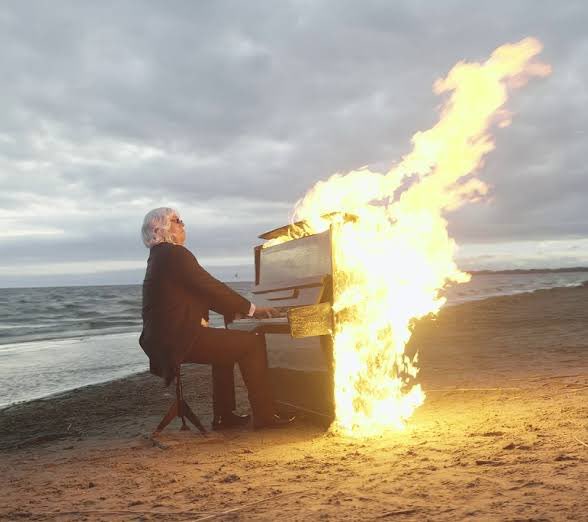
{"points": [[395, 259]]}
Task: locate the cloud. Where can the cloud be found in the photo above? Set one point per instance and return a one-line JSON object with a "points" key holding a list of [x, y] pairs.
{"points": [[231, 111]]}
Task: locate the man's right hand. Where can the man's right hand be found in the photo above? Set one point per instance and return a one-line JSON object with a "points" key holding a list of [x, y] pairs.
{"points": [[263, 312]]}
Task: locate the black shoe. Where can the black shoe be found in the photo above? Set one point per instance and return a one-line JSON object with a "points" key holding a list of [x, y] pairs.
{"points": [[275, 422], [232, 420]]}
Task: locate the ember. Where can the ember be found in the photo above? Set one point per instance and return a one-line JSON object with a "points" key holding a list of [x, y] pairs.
{"points": [[395, 258]]}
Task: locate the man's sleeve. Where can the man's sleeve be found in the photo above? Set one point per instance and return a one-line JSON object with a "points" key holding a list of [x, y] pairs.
{"points": [[221, 298]]}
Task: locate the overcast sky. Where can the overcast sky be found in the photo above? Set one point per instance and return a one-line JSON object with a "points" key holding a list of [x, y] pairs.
{"points": [[231, 111]]}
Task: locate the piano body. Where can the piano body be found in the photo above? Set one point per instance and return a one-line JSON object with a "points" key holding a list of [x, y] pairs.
{"points": [[296, 277]]}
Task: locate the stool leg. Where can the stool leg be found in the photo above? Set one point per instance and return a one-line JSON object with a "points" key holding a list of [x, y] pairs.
{"points": [[180, 399], [169, 416], [180, 409], [193, 418]]}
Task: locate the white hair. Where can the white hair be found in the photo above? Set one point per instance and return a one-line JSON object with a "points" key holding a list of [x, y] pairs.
{"points": [[156, 225]]}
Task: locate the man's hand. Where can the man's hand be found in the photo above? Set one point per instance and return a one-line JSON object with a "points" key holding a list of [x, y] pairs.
{"points": [[262, 312]]}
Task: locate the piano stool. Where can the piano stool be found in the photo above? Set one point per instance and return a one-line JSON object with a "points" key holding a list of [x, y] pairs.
{"points": [[181, 409]]}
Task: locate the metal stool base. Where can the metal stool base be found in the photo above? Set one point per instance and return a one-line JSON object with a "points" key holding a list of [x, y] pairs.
{"points": [[180, 409]]}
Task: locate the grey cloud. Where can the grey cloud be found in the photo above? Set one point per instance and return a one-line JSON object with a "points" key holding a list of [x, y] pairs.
{"points": [[254, 102]]}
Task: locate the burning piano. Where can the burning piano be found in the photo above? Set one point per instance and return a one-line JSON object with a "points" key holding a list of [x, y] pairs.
{"points": [[297, 278]]}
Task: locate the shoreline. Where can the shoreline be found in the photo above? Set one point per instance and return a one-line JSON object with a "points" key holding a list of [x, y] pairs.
{"points": [[59, 394], [80, 336], [466, 302], [424, 331]]}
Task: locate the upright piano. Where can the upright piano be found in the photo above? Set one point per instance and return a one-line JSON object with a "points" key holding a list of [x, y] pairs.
{"points": [[296, 278]]}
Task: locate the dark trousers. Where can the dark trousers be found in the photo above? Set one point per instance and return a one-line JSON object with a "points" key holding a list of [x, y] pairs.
{"points": [[223, 389], [222, 349]]}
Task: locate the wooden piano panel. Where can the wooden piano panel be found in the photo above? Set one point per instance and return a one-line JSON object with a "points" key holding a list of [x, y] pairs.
{"points": [[301, 376], [288, 298], [297, 354], [306, 354], [299, 259]]}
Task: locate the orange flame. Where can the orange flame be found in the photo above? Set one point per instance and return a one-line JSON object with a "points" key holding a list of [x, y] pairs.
{"points": [[393, 261]]}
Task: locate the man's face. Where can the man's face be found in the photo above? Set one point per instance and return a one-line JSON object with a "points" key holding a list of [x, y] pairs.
{"points": [[177, 230]]}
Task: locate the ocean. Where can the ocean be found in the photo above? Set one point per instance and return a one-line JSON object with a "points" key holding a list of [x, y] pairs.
{"points": [[57, 339]]}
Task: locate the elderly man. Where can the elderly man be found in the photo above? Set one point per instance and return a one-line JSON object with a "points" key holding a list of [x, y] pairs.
{"points": [[177, 296]]}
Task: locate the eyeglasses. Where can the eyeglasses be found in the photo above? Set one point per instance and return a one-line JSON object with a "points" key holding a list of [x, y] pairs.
{"points": [[178, 221]]}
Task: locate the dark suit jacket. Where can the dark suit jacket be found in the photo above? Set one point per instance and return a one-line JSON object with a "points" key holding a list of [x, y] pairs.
{"points": [[177, 294]]}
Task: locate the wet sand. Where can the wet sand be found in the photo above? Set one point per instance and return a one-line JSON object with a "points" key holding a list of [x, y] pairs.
{"points": [[503, 435]]}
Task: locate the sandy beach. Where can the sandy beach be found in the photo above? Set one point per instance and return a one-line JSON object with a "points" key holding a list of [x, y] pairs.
{"points": [[503, 435]]}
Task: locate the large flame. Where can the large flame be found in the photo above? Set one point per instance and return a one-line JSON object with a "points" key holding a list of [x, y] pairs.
{"points": [[392, 262]]}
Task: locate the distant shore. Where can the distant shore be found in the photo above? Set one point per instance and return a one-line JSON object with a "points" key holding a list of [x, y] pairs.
{"points": [[515, 271], [502, 435]]}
